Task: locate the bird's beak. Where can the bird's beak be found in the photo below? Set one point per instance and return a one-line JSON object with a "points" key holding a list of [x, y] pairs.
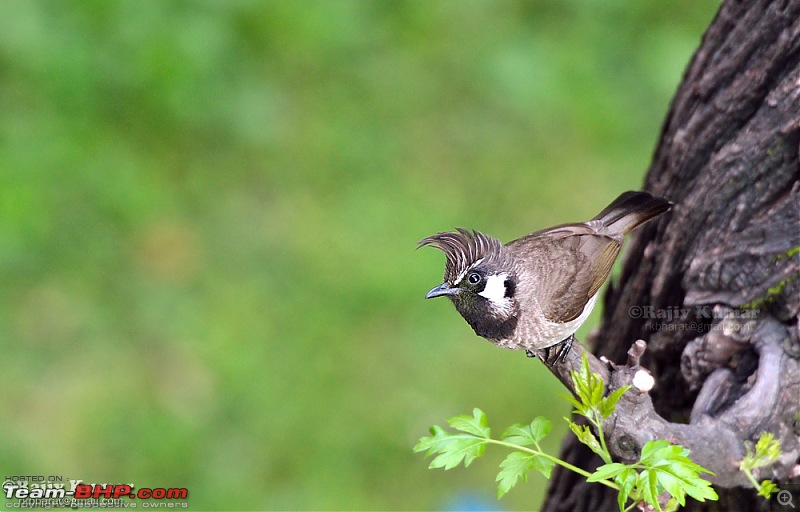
{"points": [[442, 289]]}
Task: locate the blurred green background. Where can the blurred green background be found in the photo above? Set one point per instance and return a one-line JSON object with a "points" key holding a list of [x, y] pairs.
{"points": [[208, 215]]}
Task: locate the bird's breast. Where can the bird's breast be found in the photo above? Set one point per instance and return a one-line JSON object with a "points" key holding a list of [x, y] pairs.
{"points": [[534, 331]]}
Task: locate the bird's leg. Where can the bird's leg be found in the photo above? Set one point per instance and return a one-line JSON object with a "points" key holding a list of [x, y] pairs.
{"points": [[545, 354], [564, 349]]}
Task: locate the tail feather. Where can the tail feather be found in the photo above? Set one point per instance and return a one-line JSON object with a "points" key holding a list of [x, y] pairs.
{"points": [[630, 210]]}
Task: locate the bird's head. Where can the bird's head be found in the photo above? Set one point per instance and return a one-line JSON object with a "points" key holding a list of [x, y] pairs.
{"points": [[480, 280]]}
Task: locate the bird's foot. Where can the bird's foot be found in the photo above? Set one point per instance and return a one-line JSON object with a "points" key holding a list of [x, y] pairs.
{"points": [[563, 349], [546, 354]]}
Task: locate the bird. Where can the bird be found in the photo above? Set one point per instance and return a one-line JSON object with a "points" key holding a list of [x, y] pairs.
{"points": [[533, 293]]}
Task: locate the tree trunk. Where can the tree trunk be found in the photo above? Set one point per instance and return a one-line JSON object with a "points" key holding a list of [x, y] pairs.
{"points": [[714, 286]]}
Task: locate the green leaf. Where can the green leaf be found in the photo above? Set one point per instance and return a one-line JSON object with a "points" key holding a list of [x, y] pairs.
{"points": [[767, 451], [451, 448], [609, 403], [627, 482], [647, 485], [673, 485], [669, 465], [514, 467], [579, 407], [427, 444], [518, 434], [585, 436], [476, 424], [580, 379], [543, 465], [540, 427], [589, 390], [672, 504], [700, 490], [607, 471], [654, 488], [651, 451], [466, 449], [767, 488], [524, 435], [597, 388], [768, 448]]}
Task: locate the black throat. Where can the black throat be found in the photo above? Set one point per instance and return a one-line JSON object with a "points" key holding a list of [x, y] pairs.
{"points": [[486, 322]]}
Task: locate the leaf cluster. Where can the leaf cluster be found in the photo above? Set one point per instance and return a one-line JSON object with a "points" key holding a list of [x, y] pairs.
{"points": [[661, 467], [766, 451], [591, 403], [663, 472], [471, 438]]}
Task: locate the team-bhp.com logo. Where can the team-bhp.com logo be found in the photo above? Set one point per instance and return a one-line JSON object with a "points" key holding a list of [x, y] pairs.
{"points": [[53, 492], [97, 491]]}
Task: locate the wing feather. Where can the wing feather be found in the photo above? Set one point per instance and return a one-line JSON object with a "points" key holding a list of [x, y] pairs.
{"points": [[568, 264]]}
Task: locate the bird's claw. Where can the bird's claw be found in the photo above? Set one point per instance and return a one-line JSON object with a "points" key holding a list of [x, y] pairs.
{"points": [[563, 349]]}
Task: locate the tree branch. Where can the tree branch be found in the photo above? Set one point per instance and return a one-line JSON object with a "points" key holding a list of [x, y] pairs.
{"points": [[715, 442], [729, 158]]}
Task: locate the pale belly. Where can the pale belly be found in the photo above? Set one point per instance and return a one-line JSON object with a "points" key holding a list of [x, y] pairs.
{"points": [[540, 333]]}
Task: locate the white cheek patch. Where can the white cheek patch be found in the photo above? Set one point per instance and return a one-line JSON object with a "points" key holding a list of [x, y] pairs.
{"points": [[495, 289]]}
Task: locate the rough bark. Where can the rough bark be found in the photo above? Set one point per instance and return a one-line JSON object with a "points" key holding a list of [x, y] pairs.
{"points": [[713, 287]]}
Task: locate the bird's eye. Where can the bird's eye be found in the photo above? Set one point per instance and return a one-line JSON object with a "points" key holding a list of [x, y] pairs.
{"points": [[474, 278]]}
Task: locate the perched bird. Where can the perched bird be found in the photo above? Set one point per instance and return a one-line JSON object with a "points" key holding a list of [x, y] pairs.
{"points": [[534, 292]]}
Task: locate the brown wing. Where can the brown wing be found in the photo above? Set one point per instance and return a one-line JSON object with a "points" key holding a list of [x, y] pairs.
{"points": [[568, 264]]}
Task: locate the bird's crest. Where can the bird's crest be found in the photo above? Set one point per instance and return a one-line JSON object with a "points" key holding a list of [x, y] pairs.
{"points": [[463, 249]]}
